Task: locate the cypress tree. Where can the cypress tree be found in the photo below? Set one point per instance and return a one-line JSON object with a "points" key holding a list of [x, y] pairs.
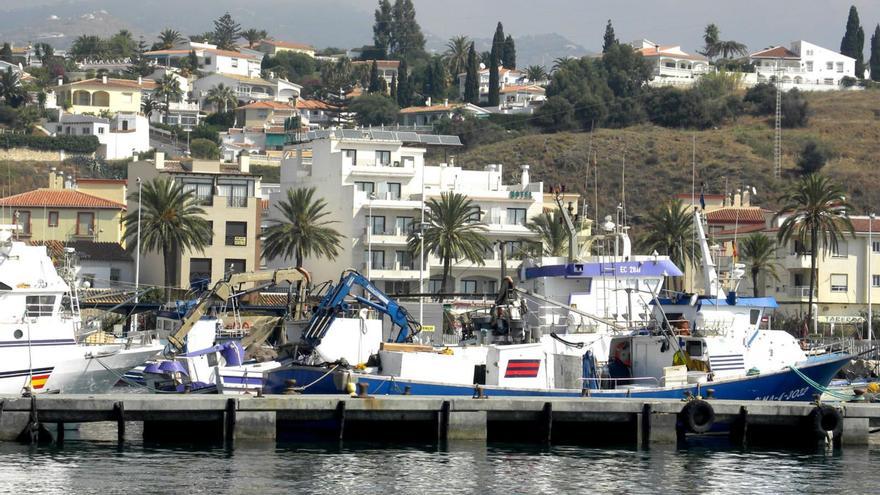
{"points": [[875, 54], [374, 78], [609, 38], [404, 86], [853, 42], [494, 62], [394, 89], [471, 80], [509, 57], [382, 27], [438, 78]]}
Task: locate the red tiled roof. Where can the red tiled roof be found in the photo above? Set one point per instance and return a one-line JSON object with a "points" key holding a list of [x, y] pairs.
{"points": [[525, 88], [776, 52], [861, 225], [736, 215], [273, 105], [312, 105], [58, 198], [285, 44]]}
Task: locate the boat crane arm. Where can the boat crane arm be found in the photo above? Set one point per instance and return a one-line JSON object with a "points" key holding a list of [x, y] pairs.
{"points": [[227, 289], [334, 301], [604, 321]]}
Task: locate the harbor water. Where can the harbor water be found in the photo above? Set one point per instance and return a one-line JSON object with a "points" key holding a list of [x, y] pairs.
{"points": [[90, 461]]}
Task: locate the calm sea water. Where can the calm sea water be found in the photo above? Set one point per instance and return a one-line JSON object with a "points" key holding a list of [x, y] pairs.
{"points": [[94, 464]]}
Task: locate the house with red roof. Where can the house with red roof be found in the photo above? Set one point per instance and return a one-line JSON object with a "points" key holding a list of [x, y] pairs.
{"points": [[671, 65], [506, 77], [210, 58], [802, 65]]}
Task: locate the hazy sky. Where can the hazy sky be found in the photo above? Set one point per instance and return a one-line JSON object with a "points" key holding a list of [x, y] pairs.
{"points": [[757, 23]]}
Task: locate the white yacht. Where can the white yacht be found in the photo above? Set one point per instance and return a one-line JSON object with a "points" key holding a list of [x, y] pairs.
{"points": [[39, 319]]}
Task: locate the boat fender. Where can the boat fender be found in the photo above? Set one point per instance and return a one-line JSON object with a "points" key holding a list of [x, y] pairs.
{"points": [[824, 419], [698, 416]]}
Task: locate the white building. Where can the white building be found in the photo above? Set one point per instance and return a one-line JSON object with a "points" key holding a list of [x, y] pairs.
{"points": [[211, 59], [373, 182], [671, 66], [506, 77], [804, 66], [428, 114], [121, 137], [247, 89]]}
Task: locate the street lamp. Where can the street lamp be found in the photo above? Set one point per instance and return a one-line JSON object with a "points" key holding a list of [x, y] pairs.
{"points": [[871, 217], [137, 259]]}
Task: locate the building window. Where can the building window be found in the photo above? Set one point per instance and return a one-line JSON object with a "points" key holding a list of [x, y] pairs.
{"points": [[86, 130], [829, 65], [85, 223], [100, 130], [434, 285], [202, 190], [115, 274], [513, 248], [236, 233], [207, 60], [809, 66], [234, 266], [378, 223], [39, 306], [516, 216], [839, 249], [350, 156], [394, 190], [829, 81], [875, 246], [469, 286], [403, 225], [124, 125], [235, 192], [210, 239], [840, 67], [875, 280], [383, 158], [378, 258], [839, 282], [235, 62], [200, 270], [367, 187], [53, 219], [23, 220], [58, 128], [404, 260], [408, 161], [475, 215]]}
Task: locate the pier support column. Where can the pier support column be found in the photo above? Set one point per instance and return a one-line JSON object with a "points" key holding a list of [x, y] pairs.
{"points": [[657, 428], [466, 425], [855, 431], [254, 425], [12, 423]]}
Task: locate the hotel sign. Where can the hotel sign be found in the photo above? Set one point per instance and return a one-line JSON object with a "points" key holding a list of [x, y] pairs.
{"points": [[840, 319]]}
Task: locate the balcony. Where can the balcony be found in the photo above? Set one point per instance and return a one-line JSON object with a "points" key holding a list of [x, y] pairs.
{"points": [[391, 238], [393, 271], [499, 228], [373, 168], [800, 292], [796, 262]]}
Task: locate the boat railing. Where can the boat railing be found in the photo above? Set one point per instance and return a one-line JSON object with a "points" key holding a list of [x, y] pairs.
{"points": [[652, 380]]}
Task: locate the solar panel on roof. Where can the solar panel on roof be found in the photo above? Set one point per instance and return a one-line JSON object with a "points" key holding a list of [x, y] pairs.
{"points": [[352, 134], [429, 139], [450, 140], [384, 135], [410, 137]]}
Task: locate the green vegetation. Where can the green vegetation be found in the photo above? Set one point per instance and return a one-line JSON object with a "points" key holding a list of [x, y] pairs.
{"points": [[204, 149], [671, 230], [303, 230], [72, 144], [374, 109], [853, 42], [758, 252]]}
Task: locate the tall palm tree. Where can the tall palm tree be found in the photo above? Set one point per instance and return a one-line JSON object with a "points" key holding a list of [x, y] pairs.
{"points": [[452, 232], [222, 95], [456, 54], [10, 87], [710, 39], [168, 90], [814, 208], [536, 73], [168, 38], [88, 46], [672, 231], [729, 48], [552, 233], [254, 36], [303, 229], [759, 252], [171, 222]]}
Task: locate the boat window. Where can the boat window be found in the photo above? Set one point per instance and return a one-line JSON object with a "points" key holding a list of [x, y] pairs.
{"points": [[39, 306], [754, 316], [694, 348]]}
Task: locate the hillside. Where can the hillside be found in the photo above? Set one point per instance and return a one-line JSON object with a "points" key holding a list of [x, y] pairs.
{"points": [[658, 160]]}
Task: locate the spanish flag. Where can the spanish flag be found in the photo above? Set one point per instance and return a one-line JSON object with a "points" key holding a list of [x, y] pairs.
{"points": [[39, 381]]}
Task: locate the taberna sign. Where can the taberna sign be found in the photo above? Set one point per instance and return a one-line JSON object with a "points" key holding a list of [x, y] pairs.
{"points": [[840, 319]]}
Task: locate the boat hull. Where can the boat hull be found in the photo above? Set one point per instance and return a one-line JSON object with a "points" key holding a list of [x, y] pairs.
{"points": [[783, 385]]}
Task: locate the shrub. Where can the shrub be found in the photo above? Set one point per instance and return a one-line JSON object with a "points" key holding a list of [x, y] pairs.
{"points": [[795, 111], [762, 98], [557, 114], [204, 148], [73, 144], [813, 157], [374, 110]]}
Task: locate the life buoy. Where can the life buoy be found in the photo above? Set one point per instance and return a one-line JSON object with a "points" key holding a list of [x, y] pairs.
{"points": [[824, 419], [698, 416]]}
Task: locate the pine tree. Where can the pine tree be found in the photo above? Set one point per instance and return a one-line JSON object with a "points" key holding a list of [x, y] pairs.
{"points": [[374, 78], [509, 57], [226, 32], [382, 27], [407, 40], [853, 42], [609, 38], [471, 80], [875, 54], [494, 62], [394, 89], [404, 86]]}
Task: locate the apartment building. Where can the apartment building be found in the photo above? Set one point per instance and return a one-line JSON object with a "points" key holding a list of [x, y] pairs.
{"points": [[229, 194], [376, 183]]}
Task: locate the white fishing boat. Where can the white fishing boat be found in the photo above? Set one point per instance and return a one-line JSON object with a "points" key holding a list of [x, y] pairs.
{"points": [[39, 320]]}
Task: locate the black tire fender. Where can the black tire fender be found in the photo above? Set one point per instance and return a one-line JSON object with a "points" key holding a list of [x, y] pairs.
{"points": [[825, 418], [698, 416]]}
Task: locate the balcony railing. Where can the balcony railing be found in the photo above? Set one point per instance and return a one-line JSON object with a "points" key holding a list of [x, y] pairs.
{"points": [[236, 202], [802, 292]]}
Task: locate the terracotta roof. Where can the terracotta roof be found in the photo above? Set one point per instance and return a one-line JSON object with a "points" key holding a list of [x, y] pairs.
{"points": [[380, 64], [213, 51], [744, 229], [776, 52], [58, 198], [146, 84], [731, 215], [525, 88], [433, 108], [274, 105], [286, 44], [862, 224], [312, 105], [660, 51]]}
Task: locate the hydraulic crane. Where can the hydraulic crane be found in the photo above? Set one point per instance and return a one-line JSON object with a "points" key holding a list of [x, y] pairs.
{"points": [[230, 287]]}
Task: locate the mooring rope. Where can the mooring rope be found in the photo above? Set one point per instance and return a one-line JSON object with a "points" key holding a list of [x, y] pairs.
{"points": [[818, 386]]}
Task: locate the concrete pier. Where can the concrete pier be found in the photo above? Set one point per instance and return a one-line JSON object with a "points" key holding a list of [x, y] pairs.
{"points": [[635, 422]]}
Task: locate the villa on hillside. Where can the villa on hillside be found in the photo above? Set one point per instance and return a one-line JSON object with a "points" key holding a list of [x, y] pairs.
{"points": [[211, 59], [671, 65], [803, 65]]}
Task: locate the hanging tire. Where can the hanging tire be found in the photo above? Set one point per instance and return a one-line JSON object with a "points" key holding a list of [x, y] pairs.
{"points": [[824, 419], [698, 416]]}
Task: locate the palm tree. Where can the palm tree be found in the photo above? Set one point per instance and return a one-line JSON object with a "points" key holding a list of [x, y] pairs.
{"points": [[168, 90], [171, 222], [536, 73], [710, 39], [672, 231], [814, 208], [729, 48], [759, 252], [10, 86], [253, 36], [150, 104], [168, 38], [452, 232], [456, 54], [303, 230], [552, 233], [88, 46], [222, 95]]}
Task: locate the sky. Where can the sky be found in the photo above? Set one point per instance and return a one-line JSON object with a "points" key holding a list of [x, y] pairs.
{"points": [[757, 23]]}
